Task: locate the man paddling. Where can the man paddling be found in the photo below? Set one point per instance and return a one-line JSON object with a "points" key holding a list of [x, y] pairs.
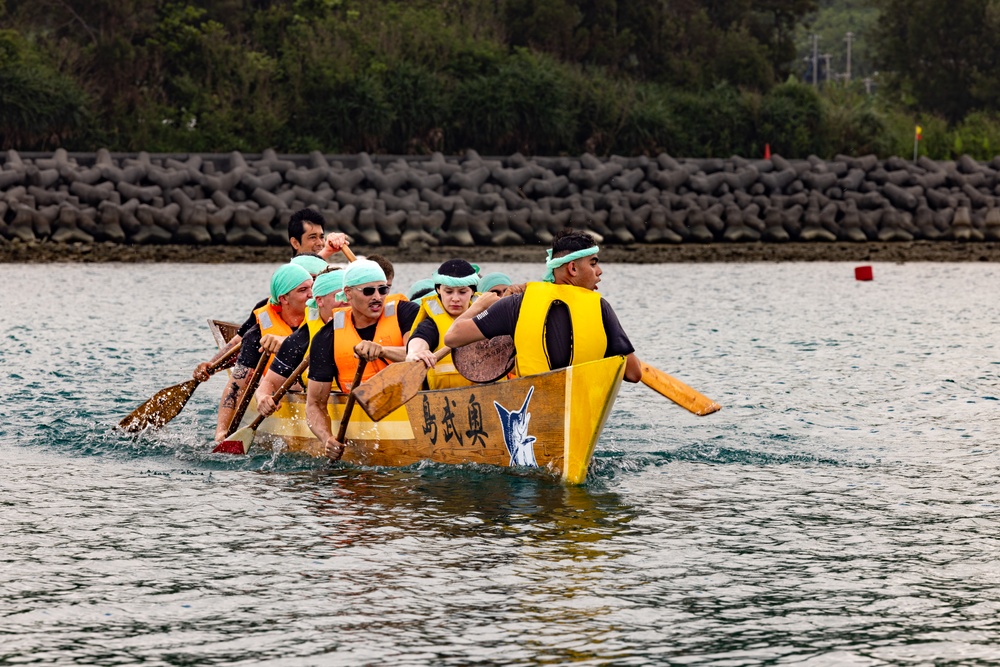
{"points": [[556, 323], [305, 235], [318, 312], [284, 312], [372, 328]]}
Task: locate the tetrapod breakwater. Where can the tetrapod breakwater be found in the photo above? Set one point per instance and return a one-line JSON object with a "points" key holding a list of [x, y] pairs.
{"points": [[238, 199]]}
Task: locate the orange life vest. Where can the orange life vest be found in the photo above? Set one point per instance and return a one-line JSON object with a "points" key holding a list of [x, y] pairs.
{"points": [[270, 322], [346, 337]]}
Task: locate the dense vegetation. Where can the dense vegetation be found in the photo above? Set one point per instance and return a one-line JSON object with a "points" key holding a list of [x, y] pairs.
{"points": [[689, 77]]}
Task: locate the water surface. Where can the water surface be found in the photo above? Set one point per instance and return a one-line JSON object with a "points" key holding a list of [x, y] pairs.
{"points": [[841, 509]]}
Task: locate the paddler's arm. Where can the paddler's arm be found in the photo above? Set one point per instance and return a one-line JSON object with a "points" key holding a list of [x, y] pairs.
{"points": [[201, 370], [334, 242], [318, 418], [393, 353], [292, 351], [419, 350], [268, 385], [633, 368], [618, 343], [271, 343], [227, 405], [423, 340], [371, 351], [464, 330]]}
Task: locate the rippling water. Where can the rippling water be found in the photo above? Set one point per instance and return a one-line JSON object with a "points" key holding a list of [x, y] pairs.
{"points": [[841, 509]]}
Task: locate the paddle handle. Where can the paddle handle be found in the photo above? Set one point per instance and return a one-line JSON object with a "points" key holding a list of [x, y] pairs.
{"points": [[247, 394], [677, 391], [283, 389], [224, 359], [351, 398], [347, 253]]}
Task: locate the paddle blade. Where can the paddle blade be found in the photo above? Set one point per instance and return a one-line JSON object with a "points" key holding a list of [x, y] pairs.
{"points": [[677, 391], [237, 443], [390, 388], [161, 408], [487, 360]]}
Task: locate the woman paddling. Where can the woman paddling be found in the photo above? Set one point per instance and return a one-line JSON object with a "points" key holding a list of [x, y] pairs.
{"points": [[454, 283]]}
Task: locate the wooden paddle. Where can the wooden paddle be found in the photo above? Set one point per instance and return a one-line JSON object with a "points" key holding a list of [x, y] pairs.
{"points": [[482, 363], [167, 403], [390, 388], [240, 441], [349, 408], [393, 387], [677, 391], [248, 390], [486, 360]]}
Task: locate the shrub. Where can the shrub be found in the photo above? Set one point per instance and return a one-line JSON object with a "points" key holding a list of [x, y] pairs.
{"points": [[792, 121], [39, 108]]}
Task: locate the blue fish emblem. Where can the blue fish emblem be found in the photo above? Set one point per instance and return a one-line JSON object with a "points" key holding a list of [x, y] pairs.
{"points": [[520, 445]]}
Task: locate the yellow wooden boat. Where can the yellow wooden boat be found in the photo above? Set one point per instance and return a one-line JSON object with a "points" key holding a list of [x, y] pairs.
{"points": [[552, 420]]}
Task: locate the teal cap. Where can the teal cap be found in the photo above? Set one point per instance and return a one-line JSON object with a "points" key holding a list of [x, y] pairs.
{"points": [[491, 280], [328, 283], [286, 278], [420, 288], [311, 263], [360, 272]]}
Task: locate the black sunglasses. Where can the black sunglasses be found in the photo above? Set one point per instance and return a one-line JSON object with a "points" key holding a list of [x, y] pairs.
{"points": [[368, 291]]}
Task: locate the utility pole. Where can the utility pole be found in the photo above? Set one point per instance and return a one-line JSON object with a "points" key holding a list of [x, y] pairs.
{"points": [[826, 71], [815, 59], [849, 39]]}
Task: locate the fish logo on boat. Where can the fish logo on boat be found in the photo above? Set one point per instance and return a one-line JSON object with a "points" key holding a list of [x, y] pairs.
{"points": [[520, 445]]}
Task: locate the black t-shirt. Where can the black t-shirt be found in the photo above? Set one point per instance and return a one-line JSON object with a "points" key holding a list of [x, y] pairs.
{"points": [[321, 364], [427, 331], [251, 321], [291, 353], [250, 349], [500, 319]]}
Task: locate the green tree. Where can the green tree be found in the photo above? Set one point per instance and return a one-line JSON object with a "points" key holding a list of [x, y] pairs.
{"points": [[39, 107], [940, 56]]}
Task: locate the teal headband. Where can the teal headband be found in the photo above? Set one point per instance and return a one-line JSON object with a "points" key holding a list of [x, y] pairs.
{"points": [[328, 283], [360, 272], [286, 278], [423, 285], [552, 264], [491, 280], [314, 265], [455, 281]]}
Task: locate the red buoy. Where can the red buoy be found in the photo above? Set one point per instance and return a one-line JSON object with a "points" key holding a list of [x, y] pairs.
{"points": [[862, 273]]}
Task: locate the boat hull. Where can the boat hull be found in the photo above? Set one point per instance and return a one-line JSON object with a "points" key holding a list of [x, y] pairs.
{"points": [[552, 420]]}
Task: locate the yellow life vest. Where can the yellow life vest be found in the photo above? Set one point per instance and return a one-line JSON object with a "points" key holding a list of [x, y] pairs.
{"points": [[270, 322], [588, 340], [443, 375], [346, 336]]}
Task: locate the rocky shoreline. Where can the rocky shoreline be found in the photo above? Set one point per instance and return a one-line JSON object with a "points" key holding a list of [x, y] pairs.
{"points": [[912, 251], [142, 207]]}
